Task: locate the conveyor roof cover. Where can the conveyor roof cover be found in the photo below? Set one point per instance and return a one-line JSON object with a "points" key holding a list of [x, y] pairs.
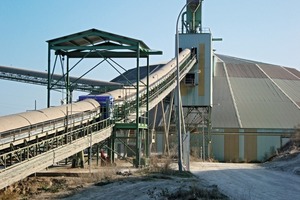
{"points": [[94, 39]]}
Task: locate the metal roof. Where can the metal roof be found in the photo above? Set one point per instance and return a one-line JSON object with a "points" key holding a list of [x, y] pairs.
{"points": [[278, 72], [114, 45], [223, 114], [253, 94], [249, 95], [291, 88], [293, 71]]}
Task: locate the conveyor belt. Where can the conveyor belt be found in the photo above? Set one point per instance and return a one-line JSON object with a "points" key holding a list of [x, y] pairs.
{"points": [[28, 162]]}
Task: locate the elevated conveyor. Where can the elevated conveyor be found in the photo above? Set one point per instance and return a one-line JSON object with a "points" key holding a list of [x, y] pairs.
{"points": [[58, 81], [34, 157]]}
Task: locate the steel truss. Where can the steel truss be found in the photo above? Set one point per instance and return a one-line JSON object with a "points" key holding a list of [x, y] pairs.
{"points": [[18, 154], [198, 120]]}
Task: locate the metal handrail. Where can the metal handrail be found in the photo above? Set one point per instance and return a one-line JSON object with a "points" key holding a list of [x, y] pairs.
{"points": [[47, 125], [65, 138]]}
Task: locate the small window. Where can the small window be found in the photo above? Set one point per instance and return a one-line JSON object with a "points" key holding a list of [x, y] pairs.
{"points": [[194, 51], [190, 79]]}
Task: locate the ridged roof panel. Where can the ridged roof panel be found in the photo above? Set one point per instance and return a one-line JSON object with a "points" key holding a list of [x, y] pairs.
{"points": [[240, 68], [277, 72], [261, 104], [223, 111], [262, 95], [291, 88], [245, 70], [293, 71]]}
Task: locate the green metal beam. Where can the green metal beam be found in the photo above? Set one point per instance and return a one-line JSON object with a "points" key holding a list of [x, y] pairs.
{"points": [[130, 126], [110, 54], [114, 46], [105, 47]]}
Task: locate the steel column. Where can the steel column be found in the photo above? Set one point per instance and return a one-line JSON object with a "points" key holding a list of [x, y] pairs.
{"points": [[137, 132], [68, 90], [147, 145], [49, 77]]}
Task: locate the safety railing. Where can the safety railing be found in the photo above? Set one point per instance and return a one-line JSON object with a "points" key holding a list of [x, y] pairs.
{"points": [[68, 123], [24, 153], [47, 127]]}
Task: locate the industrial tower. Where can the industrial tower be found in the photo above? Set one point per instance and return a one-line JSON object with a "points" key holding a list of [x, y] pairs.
{"points": [[196, 88]]}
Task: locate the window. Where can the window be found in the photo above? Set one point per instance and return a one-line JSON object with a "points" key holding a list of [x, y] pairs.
{"points": [[194, 51], [190, 79]]}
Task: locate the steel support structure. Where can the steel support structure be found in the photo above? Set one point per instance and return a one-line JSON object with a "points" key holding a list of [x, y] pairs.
{"points": [[141, 122], [198, 120], [94, 43]]}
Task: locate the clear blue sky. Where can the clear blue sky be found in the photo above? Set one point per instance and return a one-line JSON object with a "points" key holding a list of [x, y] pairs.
{"points": [[266, 31]]}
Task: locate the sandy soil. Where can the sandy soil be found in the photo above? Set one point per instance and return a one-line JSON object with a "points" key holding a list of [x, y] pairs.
{"points": [[137, 188], [278, 179], [122, 182]]}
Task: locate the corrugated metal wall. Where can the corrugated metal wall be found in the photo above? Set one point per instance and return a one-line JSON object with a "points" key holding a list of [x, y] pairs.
{"points": [[250, 148], [231, 146]]}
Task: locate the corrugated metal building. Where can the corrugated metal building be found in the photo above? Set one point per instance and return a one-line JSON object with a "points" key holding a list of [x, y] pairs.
{"points": [[258, 106]]}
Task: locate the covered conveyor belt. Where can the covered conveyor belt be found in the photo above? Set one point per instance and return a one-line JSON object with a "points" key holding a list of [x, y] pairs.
{"points": [[28, 159], [41, 78]]}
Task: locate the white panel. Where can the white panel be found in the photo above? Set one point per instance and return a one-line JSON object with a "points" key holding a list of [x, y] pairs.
{"points": [[193, 41], [159, 143], [218, 147], [266, 146], [241, 147]]}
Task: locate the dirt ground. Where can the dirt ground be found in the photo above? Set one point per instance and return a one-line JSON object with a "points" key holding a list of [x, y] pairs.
{"points": [[277, 179], [120, 182]]}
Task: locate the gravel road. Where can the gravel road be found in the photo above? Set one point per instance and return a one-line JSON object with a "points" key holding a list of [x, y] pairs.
{"points": [[135, 189], [248, 181]]}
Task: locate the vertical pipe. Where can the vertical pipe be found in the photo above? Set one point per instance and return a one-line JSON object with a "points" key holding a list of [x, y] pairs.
{"points": [[200, 16], [209, 148], [178, 121], [203, 136]]}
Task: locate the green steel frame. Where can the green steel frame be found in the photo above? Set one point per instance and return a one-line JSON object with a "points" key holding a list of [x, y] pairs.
{"points": [[94, 43]]}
